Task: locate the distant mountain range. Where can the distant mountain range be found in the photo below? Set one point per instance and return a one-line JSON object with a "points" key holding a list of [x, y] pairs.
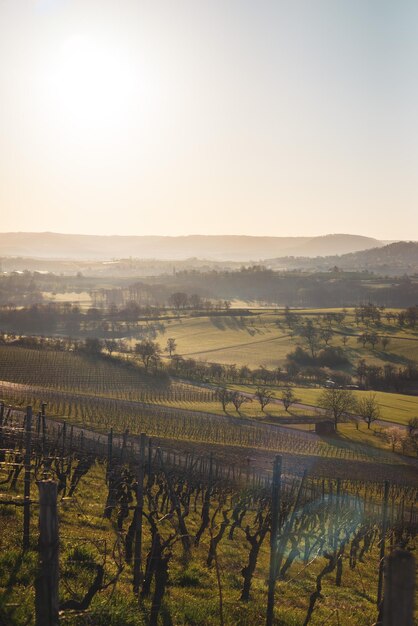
{"points": [[211, 247], [393, 259]]}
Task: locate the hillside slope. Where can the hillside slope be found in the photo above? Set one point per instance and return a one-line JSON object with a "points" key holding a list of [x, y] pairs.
{"points": [[393, 259], [232, 248]]}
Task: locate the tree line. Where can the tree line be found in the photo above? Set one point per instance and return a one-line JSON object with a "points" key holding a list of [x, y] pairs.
{"points": [[256, 283]]}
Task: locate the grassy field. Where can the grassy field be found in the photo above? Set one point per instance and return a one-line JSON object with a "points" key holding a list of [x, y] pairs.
{"points": [[257, 339], [228, 339], [394, 407]]}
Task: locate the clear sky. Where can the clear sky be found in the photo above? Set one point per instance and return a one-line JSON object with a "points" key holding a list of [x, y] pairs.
{"points": [[170, 117]]}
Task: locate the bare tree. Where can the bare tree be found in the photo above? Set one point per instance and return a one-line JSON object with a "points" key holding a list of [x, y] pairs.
{"points": [[224, 396], [195, 301], [148, 351], [238, 399], [110, 345], [288, 397], [310, 334], [337, 403], [264, 396], [363, 339], [290, 317], [178, 300], [394, 436], [327, 334], [385, 342], [373, 339], [413, 434], [368, 408], [171, 346], [413, 426]]}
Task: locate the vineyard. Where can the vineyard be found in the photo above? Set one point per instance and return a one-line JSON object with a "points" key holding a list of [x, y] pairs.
{"points": [[145, 531], [232, 435], [101, 394], [81, 374]]}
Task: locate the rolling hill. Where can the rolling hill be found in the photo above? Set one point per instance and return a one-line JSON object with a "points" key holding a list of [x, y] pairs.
{"points": [[226, 248], [393, 259]]}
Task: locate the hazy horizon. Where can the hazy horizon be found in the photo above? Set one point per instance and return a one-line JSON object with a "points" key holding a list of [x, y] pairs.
{"points": [[199, 234], [286, 118]]}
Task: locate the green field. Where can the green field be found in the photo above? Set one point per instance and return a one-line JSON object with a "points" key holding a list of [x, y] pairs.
{"points": [[394, 407], [256, 339], [251, 341]]}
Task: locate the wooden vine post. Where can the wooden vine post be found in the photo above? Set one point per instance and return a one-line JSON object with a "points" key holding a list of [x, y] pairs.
{"points": [[124, 446], [46, 584], [138, 514], [275, 511], [64, 437], [149, 459], [382, 542], [27, 464], [43, 418], [109, 453], [398, 603], [2, 452]]}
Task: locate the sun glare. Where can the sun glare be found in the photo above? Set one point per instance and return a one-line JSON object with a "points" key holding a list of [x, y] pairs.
{"points": [[90, 85]]}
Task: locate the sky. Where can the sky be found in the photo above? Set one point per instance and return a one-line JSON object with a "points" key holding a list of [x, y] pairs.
{"points": [[176, 117]]}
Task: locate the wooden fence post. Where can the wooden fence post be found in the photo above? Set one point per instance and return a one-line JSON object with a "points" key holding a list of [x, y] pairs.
{"points": [[46, 584], [38, 426], [43, 418], [138, 515], [71, 438], [149, 459], [124, 444], [275, 511], [398, 603], [64, 437], [382, 542], [27, 464], [2, 452], [109, 452]]}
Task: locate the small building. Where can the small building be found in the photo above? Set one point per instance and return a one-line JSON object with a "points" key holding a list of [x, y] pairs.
{"points": [[325, 427]]}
